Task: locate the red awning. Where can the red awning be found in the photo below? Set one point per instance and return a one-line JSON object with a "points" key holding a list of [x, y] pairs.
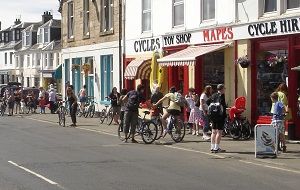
{"points": [[189, 55], [138, 69]]}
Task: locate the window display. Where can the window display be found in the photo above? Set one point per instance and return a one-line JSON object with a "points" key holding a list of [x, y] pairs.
{"points": [[272, 69], [213, 69]]}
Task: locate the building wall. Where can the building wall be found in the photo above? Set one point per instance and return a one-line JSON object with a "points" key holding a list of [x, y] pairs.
{"points": [[95, 35]]}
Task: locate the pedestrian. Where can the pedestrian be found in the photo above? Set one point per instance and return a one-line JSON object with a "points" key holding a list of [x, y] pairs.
{"points": [[22, 106], [42, 104], [133, 98], [114, 98], [11, 103], [195, 114], [278, 117], [282, 91], [18, 96], [207, 92], [122, 103], [190, 101], [52, 100], [31, 101], [82, 98], [155, 97], [217, 114], [72, 99]]}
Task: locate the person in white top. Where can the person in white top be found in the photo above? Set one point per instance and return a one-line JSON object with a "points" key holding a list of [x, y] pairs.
{"points": [[204, 110], [52, 100], [195, 114]]}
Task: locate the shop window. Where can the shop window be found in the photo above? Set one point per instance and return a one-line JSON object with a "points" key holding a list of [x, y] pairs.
{"points": [[146, 15], [86, 17], [270, 6], [208, 9], [178, 12], [292, 4], [213, 69], [106, 75], [272, 70]]}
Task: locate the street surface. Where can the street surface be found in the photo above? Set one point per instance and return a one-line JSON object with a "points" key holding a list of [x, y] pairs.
{"points": [[37, 154]]}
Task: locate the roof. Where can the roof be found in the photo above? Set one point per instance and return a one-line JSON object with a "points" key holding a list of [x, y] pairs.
{"points": [[53, 23], [54, 45], [11, 45]]}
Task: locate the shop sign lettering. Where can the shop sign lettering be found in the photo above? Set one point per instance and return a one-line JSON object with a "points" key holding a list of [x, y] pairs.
{"points": [[147, 45], [273, 27], [177, 39], [218, 34]]}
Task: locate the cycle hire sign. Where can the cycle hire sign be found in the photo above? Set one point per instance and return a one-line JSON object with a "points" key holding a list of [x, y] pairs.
{"points": [[265, 141]]}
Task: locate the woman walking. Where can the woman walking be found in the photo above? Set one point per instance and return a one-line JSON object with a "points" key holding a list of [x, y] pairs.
{"points": [[114, 98], [73, 105], [204, 110]]}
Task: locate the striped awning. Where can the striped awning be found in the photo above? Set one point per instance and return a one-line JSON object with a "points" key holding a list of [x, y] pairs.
{"points": [[138, 69], [189, 55]]}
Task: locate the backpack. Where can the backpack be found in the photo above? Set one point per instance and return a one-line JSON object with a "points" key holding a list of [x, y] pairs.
{"points": [[180, 100], [133, 101], [215, 108]]}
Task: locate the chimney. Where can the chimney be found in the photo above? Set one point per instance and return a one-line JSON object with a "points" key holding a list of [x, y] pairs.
{"points": [[17, 21], [46, 17]]}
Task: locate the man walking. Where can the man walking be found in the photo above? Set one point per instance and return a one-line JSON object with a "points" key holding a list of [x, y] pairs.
{"points": [[217, 114], [133, 98]]}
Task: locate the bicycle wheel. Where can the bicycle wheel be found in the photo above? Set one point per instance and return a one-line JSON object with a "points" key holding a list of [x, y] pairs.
{"points": [[61, 116], [178, 131], [235, 130], [149, 132], [110, 116], [86, 111], [225, 132], [246, 130], [102, 116], [160, 130], [92, 111]]}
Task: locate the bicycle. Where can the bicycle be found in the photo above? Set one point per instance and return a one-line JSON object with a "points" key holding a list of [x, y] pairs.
{"points": [[3, 107], [90, 108], [61, 111], [106, 113], [147, 129], [176, 128]]}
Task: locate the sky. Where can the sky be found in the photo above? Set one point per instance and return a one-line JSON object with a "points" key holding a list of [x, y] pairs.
{"points": [[27, 10]]}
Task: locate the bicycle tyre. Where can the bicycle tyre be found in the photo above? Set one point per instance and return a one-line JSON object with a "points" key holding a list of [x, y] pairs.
{"points": [[86, 111], [178, 131], [110, 116], [61, 117], [92, 111], [149, 132], [235, 130], [246, 130], [160, 130], [102, 116]]}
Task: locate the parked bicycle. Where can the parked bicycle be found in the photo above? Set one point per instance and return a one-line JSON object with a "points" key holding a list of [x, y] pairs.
{"points": [[90, 108], [236, 125], [147, 129], [107, 112]]}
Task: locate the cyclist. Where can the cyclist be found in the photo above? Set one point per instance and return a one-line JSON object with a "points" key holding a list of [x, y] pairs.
{"points": [[173, 108]]}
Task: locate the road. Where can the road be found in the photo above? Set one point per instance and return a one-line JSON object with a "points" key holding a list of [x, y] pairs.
{"points": [[40, 156]]}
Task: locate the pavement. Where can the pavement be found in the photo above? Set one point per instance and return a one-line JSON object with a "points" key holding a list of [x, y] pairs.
{"points": [[37, 154]]}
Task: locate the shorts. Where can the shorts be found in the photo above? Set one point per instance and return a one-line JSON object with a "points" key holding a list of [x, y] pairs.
{"points": [[116, 109], [130, 121], [82, 99], [218, 125], [280, 125], [174, 112], [11, 105]]}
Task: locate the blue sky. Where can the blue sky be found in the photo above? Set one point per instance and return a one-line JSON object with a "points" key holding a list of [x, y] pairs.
{"points": [[28, 10]]}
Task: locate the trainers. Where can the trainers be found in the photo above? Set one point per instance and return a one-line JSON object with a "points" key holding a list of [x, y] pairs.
{"points": [[219, 150]]}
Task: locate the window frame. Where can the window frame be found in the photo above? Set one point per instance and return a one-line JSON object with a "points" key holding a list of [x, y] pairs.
{"points": [[103, 28], [86, 18], [174, 4], [202, 12], [70, 20], [145, 12]]}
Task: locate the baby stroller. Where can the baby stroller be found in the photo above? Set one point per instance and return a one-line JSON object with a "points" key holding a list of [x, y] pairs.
{"points": [[236, 125]]}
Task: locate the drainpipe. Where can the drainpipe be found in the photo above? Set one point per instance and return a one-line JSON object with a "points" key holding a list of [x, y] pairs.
{"points": [[120, 45]]}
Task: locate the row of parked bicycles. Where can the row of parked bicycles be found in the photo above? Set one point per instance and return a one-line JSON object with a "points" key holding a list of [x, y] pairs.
{"points": [[149, 124]]}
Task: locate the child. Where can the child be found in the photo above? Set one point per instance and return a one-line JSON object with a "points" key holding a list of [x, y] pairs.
{"points": [[22, 108], [190, 101], [278, 117], [42, 104], [195, 114]]}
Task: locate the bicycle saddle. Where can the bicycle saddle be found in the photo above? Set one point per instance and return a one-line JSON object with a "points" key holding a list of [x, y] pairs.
{"points": [[146, 112]]}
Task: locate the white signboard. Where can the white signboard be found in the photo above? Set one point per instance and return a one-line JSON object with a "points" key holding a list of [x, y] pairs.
{"points": [[266, 137]]}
